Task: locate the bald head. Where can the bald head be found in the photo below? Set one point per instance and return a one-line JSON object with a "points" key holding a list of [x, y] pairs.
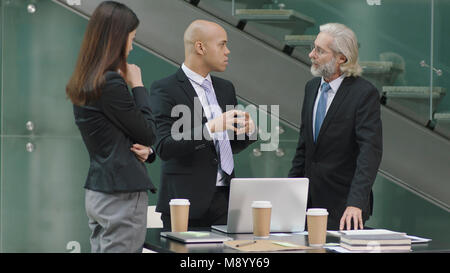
{"points": [[199, 31], [205, 46]]}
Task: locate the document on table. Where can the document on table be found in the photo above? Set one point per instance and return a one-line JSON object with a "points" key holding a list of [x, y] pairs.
{"points": [[414, 239], [338, 233], [289, 234]]}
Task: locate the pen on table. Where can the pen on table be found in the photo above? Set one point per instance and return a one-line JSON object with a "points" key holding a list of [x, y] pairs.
{"points": [[246, 244]]}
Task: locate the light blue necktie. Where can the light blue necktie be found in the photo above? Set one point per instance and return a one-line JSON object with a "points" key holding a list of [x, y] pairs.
{"points": [[321, 110], [223, 143]]}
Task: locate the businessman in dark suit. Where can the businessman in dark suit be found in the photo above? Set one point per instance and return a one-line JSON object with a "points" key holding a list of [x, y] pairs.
{"points": [[197, 157], [340, 142]]}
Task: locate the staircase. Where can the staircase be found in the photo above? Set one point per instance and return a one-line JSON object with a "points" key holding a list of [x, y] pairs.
{"points": [[413, 101]]}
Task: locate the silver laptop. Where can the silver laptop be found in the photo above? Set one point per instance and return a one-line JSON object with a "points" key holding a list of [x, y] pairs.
{"points": [[287, 195]]}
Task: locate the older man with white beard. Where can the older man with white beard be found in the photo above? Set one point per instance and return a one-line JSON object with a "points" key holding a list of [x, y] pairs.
{"points": [[340, 142]]}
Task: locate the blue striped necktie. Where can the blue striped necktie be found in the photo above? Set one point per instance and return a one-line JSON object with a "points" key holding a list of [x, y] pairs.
{"points": [[321, 110], [223, 143]]}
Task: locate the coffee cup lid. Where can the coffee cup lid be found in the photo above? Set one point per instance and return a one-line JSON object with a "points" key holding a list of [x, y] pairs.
{"points": [[317, 212], [261, 204], [179, 202]]}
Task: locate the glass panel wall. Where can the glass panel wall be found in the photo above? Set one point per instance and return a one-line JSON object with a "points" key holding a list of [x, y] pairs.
{"points": [[441, 64], [44, 162], [42, 174]]}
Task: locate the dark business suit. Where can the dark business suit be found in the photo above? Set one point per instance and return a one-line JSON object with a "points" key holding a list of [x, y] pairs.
{"points": [[189, 166], [343, 163], [109, 127]]}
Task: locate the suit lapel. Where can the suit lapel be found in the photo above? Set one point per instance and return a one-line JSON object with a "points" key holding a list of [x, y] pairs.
{"points": [[186, 85], [337, 101]]}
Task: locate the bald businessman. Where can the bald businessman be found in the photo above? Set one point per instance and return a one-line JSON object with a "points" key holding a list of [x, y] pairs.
{"points": [[197, 158]]}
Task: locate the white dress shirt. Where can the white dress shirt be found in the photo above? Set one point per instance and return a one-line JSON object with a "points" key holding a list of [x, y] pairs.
{"points": [[196, 82], [334, 84]]}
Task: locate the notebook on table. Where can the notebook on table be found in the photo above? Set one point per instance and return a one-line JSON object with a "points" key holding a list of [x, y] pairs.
{"points": [[196, 237], [414, 239]]}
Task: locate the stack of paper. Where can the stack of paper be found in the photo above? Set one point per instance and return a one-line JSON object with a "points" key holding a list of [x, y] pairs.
{"points": [[339, 233], [374, 240], [362, 232], [374, 243]]}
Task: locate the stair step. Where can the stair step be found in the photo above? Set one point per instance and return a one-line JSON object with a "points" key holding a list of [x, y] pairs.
{"points": [[442, 126], [442, 116], [413, 101], [413, 92], [251, 3], [376, 67], [381, 73], [380, 66], [272, 25], [299, 40], [273, 15]]}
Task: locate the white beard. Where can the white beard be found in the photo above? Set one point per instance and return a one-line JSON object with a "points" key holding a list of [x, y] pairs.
{"points": [[326, 70]]}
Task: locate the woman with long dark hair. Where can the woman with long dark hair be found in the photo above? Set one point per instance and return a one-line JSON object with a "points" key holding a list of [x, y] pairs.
{"points": [[117, 129]]}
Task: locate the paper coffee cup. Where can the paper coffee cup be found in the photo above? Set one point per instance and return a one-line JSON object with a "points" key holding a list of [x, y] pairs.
{"points": [[179, 214], [179, 202], [317, 226], [261, 218]]}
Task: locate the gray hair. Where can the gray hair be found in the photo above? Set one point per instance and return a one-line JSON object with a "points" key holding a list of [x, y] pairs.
{"points": [[344, 42]]}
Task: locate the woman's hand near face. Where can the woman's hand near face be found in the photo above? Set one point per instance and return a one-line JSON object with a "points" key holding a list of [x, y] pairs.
{"points": [[133, 76]]}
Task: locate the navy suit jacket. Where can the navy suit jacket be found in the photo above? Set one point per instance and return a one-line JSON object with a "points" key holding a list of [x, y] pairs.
{"points": [[343, 163]]}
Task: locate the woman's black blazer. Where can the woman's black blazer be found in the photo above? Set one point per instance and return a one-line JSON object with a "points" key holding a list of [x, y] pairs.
{"points": [[109, 127]]}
